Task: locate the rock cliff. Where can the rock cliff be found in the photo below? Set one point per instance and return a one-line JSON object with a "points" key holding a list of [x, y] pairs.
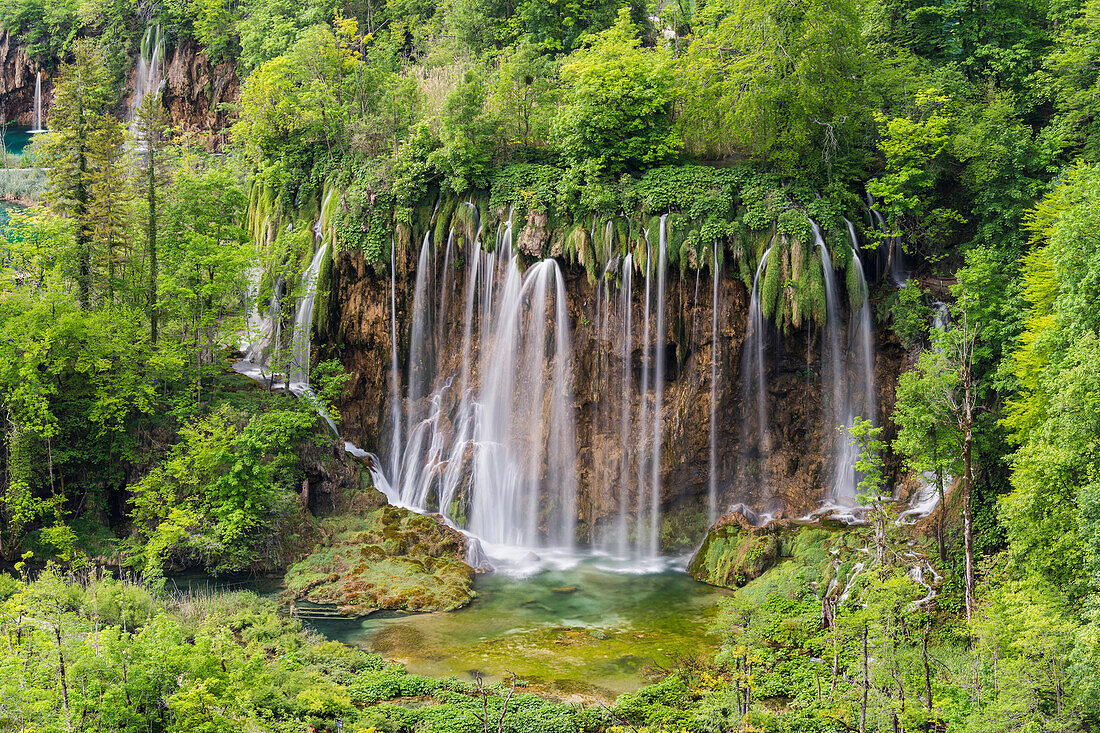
{"points": [[791, 476]]}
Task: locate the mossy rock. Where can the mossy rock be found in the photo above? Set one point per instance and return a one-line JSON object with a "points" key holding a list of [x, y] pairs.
{"points": [[731, 556], [390, 559]]}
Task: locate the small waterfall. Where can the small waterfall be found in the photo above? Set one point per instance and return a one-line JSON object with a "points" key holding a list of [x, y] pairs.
{"points": [[891, 256], [851, 391], [604, 404], [298, 370], [838, 410], [861, 338], [658, 394], [626, 310], [712, 466], [260, 340], [38, 103], [754, 402], [395, 380], [148, 74]]}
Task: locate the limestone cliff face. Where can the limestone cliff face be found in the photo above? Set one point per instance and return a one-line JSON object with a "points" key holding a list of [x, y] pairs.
{"points": [[17, 76], [194, 89], [791, 475]]}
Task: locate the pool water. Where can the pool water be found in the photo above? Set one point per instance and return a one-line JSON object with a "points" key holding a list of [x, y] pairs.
{"points": [[584, 633], [16, 138]]}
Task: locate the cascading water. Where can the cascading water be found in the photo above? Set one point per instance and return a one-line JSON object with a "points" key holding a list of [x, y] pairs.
{"points": [[753, 382], [931, 484], [490, 434], [38, 103], [395, 380], [861, 338], [891, 255], [846, 394], [298, 370], [148, 74], [658, 393], [712, 466], [626, 310]]}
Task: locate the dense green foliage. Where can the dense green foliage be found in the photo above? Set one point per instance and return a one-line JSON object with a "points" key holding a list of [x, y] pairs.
{"points": [[103, 653], [974, 127]]}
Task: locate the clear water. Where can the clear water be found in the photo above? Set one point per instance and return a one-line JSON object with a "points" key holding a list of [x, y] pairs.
{"points": [[16, 138], [585, 633]]}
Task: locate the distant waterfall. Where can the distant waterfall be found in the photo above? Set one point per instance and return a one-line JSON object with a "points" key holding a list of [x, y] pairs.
{"points": [[38, 103], [148, 74]]}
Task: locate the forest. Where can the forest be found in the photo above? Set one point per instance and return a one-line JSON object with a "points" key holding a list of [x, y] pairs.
{"points": [[329, 327]]}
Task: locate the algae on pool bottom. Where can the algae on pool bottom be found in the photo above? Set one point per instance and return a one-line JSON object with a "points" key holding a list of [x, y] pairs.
{"points": [[582, 633]]}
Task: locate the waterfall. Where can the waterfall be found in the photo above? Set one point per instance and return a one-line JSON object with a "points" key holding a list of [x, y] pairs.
{"points": [[489, 431], [930, 483], [658, 394], [603, 399], [626, 309], [395, 380], [712, 465], [838, 408], [260, 340], [38, 103], [753, 383], [891, 254], [861, 337], [148, 74], [298, 370], [851, 391]]}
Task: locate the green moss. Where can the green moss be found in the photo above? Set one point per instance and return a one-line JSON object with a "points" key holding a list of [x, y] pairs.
{"points": [[731, 556], [390, 559]]}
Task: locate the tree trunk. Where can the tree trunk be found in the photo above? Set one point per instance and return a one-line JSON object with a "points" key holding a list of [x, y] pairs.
{"points": [[866, 681], [83, 240], [968, 528], [64, 683], [151, 235]]}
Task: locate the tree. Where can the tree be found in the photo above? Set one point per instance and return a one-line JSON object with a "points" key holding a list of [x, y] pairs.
{"points": [[936, 408], [79, 113], [616, 111], [154, 129], [523, 91], [468, 136], [108, 209], [776, 79], [205, 260]]}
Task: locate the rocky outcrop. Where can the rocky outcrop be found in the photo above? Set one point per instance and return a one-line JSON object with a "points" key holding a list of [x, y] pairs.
{"points": [[390, 558], [17, 78], [734, 552], [196, 92]]}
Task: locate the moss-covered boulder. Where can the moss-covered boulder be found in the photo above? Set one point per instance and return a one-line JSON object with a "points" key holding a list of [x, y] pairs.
{"points": [[734, 553], [389, 559]]}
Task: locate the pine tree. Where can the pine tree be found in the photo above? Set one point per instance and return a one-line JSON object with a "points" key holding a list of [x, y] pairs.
{"points": [[153, 126], [109, 205]]}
